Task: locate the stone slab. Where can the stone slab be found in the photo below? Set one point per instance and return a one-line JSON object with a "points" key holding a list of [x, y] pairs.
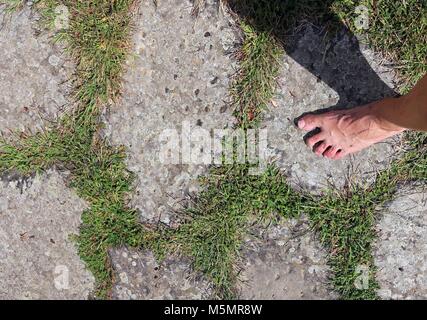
{"points": [[35, 75], [401, 247], [37, 258], [179, 73], [320, 74]]}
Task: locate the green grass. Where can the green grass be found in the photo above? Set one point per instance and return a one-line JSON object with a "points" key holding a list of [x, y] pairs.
{"points": [[398, 29], [30, 153], [264, 24], [255, 83], [344, 224], [217, 221], [232, 202], [344, 220], [214, 225], [97, 39]]}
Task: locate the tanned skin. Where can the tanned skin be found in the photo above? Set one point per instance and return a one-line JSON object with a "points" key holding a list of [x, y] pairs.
{"points": [[343, 132]]}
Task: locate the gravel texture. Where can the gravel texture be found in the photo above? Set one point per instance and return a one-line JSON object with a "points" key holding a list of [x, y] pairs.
{"points": [[171, 80], [284, 262], [401, 248], [140, 277], [37, 258], [34, 77], [36, 215]]}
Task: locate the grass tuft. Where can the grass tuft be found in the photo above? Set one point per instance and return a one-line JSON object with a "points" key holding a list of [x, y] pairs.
{"points": [[345, 219], [213, 227], [97, 38], [344, 222], [398, 29], [255, 83], [217, 221]]}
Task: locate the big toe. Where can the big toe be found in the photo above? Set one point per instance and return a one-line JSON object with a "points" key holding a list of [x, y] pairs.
{"points": [[309, 122]]}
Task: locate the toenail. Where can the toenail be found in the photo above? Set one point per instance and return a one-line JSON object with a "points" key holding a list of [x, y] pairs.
{"points": [[301, 124]]}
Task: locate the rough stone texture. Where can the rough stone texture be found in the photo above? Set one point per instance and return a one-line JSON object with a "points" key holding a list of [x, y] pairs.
{"points": [[186, 78], [171, 79], [318, 74], [36, 216], [284, 262], [34, 74], [139, 276], [36, 219], [279, 262], [401, 249]]}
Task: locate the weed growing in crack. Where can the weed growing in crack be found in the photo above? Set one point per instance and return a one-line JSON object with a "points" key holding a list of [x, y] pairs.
{"points": [[344, 220], [213, 227], [255, 83], [97, 38]]}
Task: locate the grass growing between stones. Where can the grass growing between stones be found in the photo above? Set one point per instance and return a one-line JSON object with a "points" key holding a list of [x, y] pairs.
{"points": [[215, 224], [398, 29], [217, 221], [255, 83], [344, 220], [392, 31], [96, 36]]}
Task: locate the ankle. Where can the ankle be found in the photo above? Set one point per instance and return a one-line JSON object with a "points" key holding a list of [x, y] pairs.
{"points": [[385, 111]]}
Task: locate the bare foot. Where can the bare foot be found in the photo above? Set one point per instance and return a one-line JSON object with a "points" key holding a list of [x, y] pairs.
{"points": [[343, 132]]}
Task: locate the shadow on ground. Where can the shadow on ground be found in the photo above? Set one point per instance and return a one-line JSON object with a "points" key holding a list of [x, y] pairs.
{"points": [[288, 21]]}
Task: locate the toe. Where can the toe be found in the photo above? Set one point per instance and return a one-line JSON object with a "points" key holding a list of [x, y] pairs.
{"points": [[330, 152], [339, 155], [320, 148], [309, 122], [311, 141]]}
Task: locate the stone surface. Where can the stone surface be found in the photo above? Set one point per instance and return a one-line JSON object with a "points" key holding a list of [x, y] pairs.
{"points": [[189, 81], [320, 74], [279, 262], [140, 276], [169, 81], [401, 248], [36, 215], [34, 77], [37, 258], [179, 73], [284, 262]]}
